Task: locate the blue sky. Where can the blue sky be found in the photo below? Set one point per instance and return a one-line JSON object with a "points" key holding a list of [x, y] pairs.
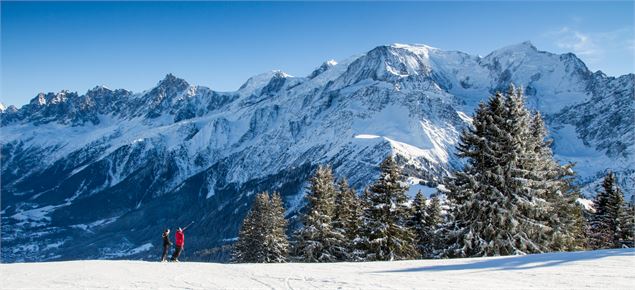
{"points": [[50, 46]]}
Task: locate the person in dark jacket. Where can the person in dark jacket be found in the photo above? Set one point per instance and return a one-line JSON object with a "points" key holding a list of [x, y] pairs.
{"points": [[166, 244], [179, 241]]}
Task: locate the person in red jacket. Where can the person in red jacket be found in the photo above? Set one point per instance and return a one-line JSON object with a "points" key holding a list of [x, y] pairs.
{"points": [[179, 241]]}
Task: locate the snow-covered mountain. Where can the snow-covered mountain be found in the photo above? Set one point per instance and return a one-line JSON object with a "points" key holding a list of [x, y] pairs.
{"points": [[99, 175]]}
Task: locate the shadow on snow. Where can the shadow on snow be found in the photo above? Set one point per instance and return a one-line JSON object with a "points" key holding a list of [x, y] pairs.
{"points": [[523, 262]]}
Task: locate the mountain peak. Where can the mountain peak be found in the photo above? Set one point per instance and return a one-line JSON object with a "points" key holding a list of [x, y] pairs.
{"points": [[171, 80], [322, 68], [39, 100], [98, 90], [414, 46], [528, 44], [418, 49], [523, 47], [281, 74]]}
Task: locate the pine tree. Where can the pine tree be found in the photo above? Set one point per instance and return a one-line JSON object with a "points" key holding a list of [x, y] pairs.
{"points": [[567, 216], [250, 247], [500, 203], [276, 242], [554, 183], [627, 222], [433, 219], [316, 240], [361, 243], [347, 219], [608, 225], [262, 237], [386, 215], [418, 221]]}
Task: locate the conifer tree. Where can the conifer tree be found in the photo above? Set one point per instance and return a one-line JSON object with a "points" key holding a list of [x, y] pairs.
{"points": [[425, 221], [628, 226], [250, 247], [316, 240], [433, 220], [386, 215], [418, 221], [499, 203], [554, 183], [347, 219], [567, 216], [262, 237], [608, 224], [361, 242], [276, 242]]}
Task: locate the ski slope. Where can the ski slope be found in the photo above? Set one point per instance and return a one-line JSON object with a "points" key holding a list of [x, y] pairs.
{"points": [[604, 269]]}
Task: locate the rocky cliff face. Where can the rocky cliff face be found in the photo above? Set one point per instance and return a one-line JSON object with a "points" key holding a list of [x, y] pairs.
{"points": [[99, 175]]}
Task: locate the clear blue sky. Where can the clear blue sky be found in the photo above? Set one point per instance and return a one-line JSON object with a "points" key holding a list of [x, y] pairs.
{"points": [[50, 46]]}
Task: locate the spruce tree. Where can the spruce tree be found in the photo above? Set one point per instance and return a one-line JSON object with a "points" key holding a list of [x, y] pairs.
{"points": [[418, 221], [627, 222], [250, 247], [262, 237], [567, 216], [501, 203], [386, 215], [347, 219], [430, 240], [361, 242], [554, 183], [316, 240], [276, 242], [608, 224]]}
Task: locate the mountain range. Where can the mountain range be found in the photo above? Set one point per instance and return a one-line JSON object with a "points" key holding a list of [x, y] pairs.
{"points": [[101, 174]]}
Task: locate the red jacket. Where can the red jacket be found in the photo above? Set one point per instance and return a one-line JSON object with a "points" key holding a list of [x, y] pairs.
{"points": [[180, 238]]}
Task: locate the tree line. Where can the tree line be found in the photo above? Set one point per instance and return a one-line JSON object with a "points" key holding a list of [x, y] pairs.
{"points": [[511, 197]]}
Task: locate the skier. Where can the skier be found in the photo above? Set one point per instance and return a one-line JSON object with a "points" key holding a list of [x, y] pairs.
{"points": [[179, 241], [166, 244]]}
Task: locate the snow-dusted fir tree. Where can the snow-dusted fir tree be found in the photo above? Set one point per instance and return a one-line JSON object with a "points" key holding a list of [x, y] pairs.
{"points": [[433, 219], [498, 202], [361, 242], [385, 233], [262, 237], [418, 221], [628, 226], [276, 242], [425, 222], [567, 215], [250, 245], [347, 219], [316, 240], [555, 183], [607, 226]]}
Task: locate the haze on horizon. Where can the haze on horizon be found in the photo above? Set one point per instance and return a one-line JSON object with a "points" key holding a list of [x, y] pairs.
{"points": [[50, 46]]}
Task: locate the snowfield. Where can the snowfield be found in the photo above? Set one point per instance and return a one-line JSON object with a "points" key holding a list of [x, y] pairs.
{"points": [[604, 269]]}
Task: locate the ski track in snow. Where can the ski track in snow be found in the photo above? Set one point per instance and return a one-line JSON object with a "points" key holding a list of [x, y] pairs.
{"points": [[606, 269]]}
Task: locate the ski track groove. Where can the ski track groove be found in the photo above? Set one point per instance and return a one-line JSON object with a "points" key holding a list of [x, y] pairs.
{"points": [[288, 283], [253, 278]]}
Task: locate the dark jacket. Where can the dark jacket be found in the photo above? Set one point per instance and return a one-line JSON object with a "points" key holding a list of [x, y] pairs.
{"points": [[166, 240]]}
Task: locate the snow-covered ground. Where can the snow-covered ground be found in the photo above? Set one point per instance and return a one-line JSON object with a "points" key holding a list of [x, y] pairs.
{"points": [[605, 269]]}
